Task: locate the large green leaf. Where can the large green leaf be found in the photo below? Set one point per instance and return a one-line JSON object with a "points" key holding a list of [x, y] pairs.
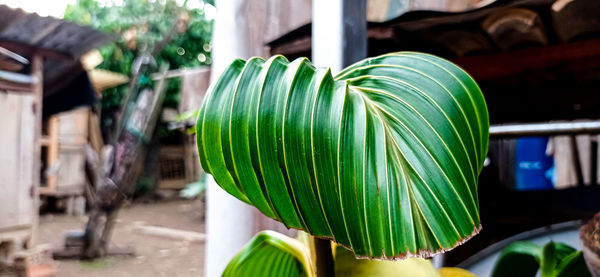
{"points": [[382, 158], [521, 258], [555, 259], [271, 254]]}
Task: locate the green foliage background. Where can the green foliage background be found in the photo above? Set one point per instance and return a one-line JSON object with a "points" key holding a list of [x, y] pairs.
{"points": [[148, 21]]}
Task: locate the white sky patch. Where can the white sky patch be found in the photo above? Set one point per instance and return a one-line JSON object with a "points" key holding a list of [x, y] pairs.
{"points": [[210, 12], [55, 8]]}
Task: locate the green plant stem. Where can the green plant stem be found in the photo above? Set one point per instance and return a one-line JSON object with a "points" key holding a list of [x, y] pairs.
{"points": [[325, 267]]}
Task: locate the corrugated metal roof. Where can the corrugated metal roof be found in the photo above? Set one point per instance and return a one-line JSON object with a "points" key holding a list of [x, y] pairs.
{"points": [[24, 32], [61, 42]]}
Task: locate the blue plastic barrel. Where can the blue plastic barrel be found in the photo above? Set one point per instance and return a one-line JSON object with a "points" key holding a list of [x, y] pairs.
{"points": [[532, 164]]}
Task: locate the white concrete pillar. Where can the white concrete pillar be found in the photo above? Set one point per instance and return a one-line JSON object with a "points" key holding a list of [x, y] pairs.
{"points": [[229, 221]]}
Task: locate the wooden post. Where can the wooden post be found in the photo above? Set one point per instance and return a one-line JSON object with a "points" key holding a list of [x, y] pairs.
{"points": [[52, 157], [339, 31], [37, 71]]}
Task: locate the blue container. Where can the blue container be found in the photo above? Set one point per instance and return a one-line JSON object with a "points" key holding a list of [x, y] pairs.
{"points": [[532, 165]]}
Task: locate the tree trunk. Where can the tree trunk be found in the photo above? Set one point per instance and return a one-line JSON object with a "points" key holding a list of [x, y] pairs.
{"points": [[128, 152]]}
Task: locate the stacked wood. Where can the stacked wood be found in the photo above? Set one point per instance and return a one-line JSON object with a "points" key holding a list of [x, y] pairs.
{"points": [[574, 19], [514, 28]]}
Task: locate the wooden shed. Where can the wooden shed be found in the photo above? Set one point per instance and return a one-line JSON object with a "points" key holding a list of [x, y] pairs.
{"points": [[178, 165], [39, 62]]}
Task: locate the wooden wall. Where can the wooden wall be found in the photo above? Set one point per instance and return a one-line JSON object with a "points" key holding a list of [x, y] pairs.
{"points": [[16, 157], [18, 212]]}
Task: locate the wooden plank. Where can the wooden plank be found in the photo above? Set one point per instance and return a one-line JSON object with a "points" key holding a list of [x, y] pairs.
{"points": [[25, 88], [179, 73], [67, 136], [71, 174], [94, 132], [193, 169], [44, 141], [46, 191], [10, 105], [16, 201], [170, 233], [37, 71], [73, 127], [52, 152], [27, 162]]}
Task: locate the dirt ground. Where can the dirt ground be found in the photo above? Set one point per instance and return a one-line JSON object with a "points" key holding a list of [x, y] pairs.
{"points": [[155, 256]]}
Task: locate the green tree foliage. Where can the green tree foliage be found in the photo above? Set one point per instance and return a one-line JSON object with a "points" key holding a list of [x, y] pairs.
{"points": [[138, 25]]}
